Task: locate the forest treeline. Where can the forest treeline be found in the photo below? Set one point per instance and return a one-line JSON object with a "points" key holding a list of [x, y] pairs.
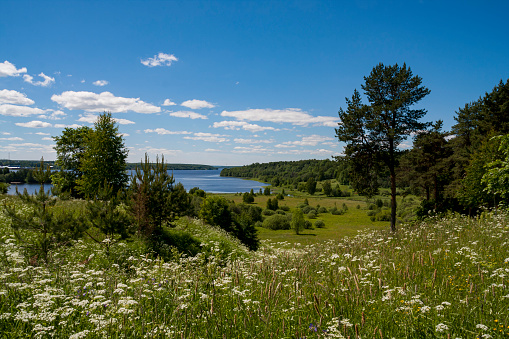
{"points": [[290, 173]]}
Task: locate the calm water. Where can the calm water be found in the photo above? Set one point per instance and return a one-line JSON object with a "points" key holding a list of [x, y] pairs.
{"points": [[207, 180]]}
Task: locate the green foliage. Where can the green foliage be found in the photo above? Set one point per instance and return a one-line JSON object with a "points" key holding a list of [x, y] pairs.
{"points": [[472, 192], [298, 221], [236, 220], [276, 222], [150, 195], [272, 204], [319, 224], [198, 192], [4, 187], [42, 228], [373, 132], [110, 217], [496, 177], [70, 148], [311, 185], [311, 214], [266, 191], [248, 198], [327, 188], [103, 162], [287, 172]]}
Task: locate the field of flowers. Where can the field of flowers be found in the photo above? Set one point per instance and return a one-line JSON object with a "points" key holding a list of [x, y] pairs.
{"points": [[446, 278]]}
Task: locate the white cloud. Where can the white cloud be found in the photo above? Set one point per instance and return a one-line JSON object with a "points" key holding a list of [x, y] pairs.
{"points": [[11, 139], [19, 111], [47, 139], [14, 97], [31, 147], [237, 125], [248, 150], [294, 116], [311, 140], [42, 133], [67, 126], [168, 102], [100, 83], [209, 137], [9, 70], [34, 124], [124, 121], [160, 59], [45, 83], [253, 141], [163, 131], [153, 152], [55, 115], [104, 101], [197, 104], [92, 118], [186, 114]]}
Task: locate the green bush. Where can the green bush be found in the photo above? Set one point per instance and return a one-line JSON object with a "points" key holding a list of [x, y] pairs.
{"points": [[277, 222], [268, 212], [322, 210], [319, 224], [312, 214]]}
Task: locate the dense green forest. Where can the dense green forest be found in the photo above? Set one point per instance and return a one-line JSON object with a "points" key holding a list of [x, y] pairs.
{"points": [[285, 173]]}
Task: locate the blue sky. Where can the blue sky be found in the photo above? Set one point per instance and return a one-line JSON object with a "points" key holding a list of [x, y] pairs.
{"points": [[231, 82]]}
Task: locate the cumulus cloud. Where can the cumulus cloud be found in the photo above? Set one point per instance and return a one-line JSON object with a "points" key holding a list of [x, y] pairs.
{"points": [[42, 133], [294, 116], [168, 102], [209, 137], [100, 83], [92, 118], [197, 104], [160, 59], [55, 115], [44, 83], [186, 114], [11, 139], [252, 149], [67, 126], [163, 131], [34, 124], [14, 97], [311, 140], [31, 147], [19, 111], [237, 125], [105, 101], [9, 70], [253, 141], [153, 152]]}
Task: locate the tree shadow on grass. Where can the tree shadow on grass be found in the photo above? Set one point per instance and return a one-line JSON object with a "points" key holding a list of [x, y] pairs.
{"points": [[313, 234]]}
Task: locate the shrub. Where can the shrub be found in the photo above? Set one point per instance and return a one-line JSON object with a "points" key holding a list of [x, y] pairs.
{"points": [[284, 208], [268, 212], [308, 225], [306, 209], [322, 210], [298, 223], [277, 222], [312, 214], [319, 224]]}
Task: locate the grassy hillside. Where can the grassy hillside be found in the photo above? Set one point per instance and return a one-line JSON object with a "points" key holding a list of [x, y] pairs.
{"points": [[446, 278]]}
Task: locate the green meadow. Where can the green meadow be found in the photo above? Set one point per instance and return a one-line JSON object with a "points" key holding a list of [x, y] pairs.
{"points": [[443, 278]]}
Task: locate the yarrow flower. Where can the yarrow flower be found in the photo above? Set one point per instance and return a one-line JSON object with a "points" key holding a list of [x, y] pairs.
{"points": [[441, 327]]}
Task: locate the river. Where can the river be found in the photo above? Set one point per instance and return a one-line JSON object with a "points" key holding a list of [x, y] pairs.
{"points": [[207, 180]]}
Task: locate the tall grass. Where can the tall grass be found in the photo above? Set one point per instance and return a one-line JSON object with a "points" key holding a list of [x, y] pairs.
{"points": [[446, 278]]}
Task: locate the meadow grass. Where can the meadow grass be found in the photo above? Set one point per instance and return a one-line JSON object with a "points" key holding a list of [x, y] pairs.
{"points": [[444, 278]]}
